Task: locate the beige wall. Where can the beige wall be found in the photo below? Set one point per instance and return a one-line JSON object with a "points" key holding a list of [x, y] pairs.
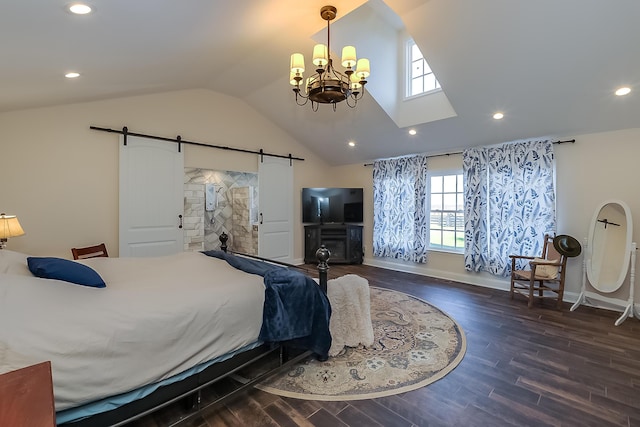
{"points": [[598, 167], [61, 178]]}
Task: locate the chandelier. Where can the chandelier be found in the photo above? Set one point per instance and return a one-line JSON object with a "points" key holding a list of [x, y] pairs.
{"points": [[328, 85]]}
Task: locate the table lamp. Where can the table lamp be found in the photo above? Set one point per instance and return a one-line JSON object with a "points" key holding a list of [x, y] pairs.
{"points": [[9, 227]]}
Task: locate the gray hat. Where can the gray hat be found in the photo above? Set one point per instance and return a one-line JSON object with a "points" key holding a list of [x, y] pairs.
{"points": [[567, 245]]}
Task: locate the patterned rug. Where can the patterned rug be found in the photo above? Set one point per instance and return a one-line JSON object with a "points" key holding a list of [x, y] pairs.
{"points": [[414, 345]]}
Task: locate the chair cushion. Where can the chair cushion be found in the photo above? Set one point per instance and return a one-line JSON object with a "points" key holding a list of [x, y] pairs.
{"points": [[546, 271]]}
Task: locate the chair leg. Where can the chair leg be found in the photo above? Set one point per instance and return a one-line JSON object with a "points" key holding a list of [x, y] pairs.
{"points": [[531, 282], [540, 291], [511, 288], [560, 298]]}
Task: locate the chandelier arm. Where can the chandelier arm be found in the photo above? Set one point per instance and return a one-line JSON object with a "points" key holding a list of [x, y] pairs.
{"points": [[363, 83], [355, 101], [337, 74], [357, 96], [306, 99]]}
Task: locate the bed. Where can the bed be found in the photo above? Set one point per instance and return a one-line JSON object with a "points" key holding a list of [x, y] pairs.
{"points": [[160, 328]]}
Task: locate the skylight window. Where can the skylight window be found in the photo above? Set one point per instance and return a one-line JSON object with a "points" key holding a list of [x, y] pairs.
{"points": [[420, 78]]}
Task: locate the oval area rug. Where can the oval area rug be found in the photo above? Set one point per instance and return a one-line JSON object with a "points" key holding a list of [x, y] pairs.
{"points": [[414, 345]]}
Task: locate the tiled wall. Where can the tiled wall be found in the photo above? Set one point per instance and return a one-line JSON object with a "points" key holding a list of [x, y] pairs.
{"points": [[245, 238], [193, 220], [234, 213]]}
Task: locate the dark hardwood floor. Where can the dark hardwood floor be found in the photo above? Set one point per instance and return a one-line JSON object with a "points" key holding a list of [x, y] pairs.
{"points": [[523, 367]]}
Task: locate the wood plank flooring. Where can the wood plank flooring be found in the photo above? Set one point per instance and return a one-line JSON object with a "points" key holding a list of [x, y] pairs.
{"points": [[523, 367]]}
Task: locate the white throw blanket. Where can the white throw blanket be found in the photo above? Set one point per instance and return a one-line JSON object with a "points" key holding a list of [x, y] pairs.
{"points": [[350, 323]]}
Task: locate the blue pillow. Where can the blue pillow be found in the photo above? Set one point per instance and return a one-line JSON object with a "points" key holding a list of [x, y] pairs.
{"points": [[64, 269]]}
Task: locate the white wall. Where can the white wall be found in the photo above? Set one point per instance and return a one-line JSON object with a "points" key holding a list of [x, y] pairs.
{"points": [[596, 168], [61, 178]]}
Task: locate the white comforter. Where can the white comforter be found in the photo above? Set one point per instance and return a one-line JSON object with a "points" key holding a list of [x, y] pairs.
{"points": [[156, 318]]}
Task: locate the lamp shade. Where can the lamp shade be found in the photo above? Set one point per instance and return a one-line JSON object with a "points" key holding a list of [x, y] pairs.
{"points": [[320, 56], [355, 83], [364, 69], [297, 63], [348, 56], [9, 226]]}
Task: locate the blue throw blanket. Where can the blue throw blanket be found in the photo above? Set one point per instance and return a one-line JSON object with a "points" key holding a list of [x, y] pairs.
{"points": [[295, 308]]}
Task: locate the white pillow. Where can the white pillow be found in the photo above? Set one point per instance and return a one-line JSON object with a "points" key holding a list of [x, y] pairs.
{"points": [[544, 270], [14, 263]]}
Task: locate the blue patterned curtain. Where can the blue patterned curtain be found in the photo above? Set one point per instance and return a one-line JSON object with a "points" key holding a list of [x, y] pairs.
{"points": [[400, 217], [509, 204]]}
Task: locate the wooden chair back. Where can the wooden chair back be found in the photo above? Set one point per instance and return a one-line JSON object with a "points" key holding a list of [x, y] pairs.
{"points": [[90, 251], [550, 252]]}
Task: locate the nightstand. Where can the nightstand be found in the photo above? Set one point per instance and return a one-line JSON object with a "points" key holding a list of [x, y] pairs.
{"points": [[26, 391]]}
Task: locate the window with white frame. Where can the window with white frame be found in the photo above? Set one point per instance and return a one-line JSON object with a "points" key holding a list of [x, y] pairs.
{"points": [[446, 211], [420, 78]]}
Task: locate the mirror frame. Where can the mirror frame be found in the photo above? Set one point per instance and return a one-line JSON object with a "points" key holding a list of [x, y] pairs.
{"points": [[627, 250]]}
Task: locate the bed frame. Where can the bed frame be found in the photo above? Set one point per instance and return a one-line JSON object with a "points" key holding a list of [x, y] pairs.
{"points": [[189, 389]]}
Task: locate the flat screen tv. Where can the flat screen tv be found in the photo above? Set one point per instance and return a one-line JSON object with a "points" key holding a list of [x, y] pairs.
{"points": [[332, 205]]}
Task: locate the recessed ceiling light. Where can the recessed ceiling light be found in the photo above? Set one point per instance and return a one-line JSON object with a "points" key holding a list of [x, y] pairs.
{"points": [[352, 144], [498, 116], [623, 91], [412, 132], [79, 8], [72, 75]]}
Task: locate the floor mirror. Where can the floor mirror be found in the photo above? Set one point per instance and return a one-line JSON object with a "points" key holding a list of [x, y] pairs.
{"points": [[609, 255]]}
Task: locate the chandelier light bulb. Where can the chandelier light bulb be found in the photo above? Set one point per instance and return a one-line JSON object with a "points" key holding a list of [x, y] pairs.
{"points": [[355, 83], [292, 78]]}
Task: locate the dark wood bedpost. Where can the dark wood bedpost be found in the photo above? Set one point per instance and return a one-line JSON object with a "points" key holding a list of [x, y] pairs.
{"points": [[223, 240], [323, 256]]}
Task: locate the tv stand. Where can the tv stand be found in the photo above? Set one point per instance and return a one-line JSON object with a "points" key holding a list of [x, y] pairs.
{"points": [[344, 241]]}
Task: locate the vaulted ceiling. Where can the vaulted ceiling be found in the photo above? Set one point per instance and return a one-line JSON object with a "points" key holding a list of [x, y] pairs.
{"points": [[551, 66]]}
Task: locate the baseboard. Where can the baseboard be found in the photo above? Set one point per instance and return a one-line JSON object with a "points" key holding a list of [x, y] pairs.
{"points": [[474, 279], [469, 279]]}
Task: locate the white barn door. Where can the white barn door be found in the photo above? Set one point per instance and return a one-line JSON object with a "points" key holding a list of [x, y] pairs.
{"points": [[151, 197], [275, 190]]}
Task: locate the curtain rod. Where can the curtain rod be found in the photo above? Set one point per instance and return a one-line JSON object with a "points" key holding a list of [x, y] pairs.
{"points": [[460, 152], [125, 131]]}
